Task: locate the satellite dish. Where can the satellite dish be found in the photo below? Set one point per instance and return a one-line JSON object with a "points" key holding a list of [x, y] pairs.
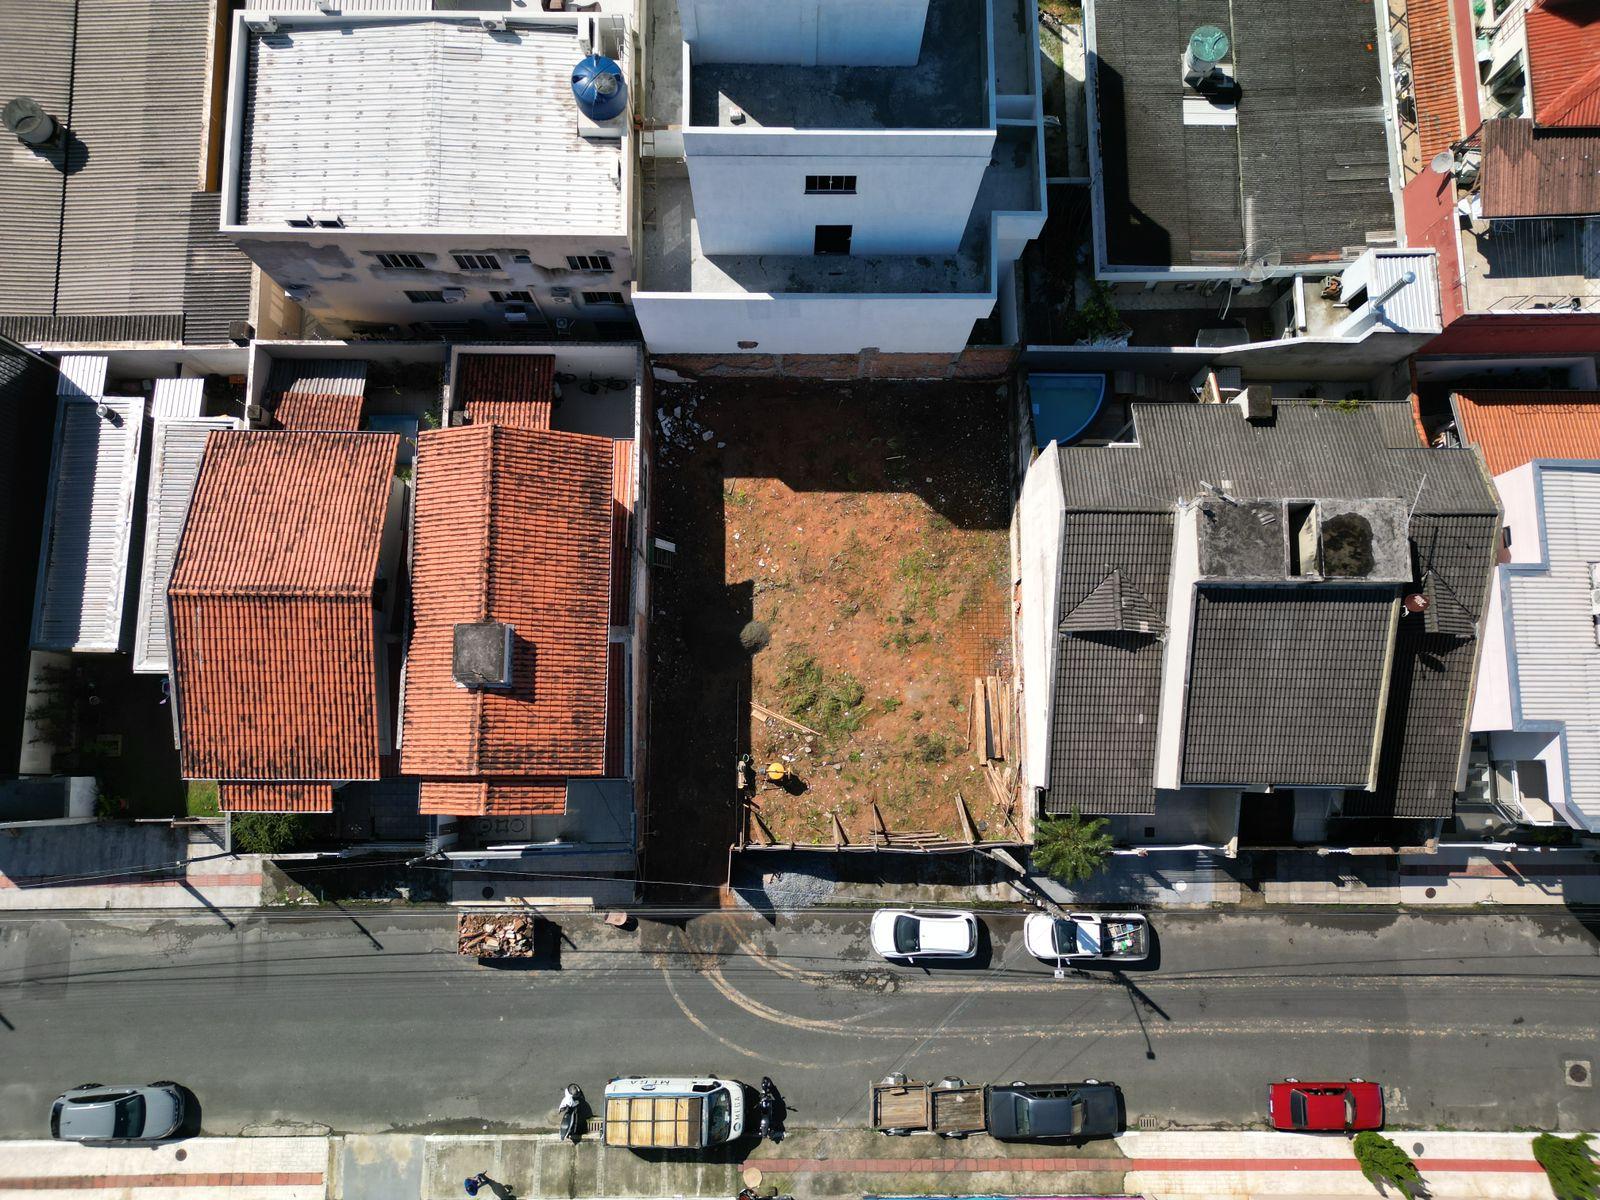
{"points": [[1262, 266], [1443, 163]]}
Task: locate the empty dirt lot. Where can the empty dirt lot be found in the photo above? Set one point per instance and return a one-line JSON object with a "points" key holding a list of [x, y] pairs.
{"points": [[862, 527]]}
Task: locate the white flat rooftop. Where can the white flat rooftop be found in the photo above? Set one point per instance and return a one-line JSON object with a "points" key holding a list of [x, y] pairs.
{"points": [[422, 123]]}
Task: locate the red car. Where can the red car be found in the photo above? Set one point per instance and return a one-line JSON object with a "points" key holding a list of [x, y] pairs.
{"points": [[1319, 1107]]}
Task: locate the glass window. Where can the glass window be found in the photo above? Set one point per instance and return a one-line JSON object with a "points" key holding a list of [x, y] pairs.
{"points": [[602, 297], [906, 939], [589, 262], [477, 262], [417, 296], [830, 185], [130, 1117], [398, 260], [719, 1116]]}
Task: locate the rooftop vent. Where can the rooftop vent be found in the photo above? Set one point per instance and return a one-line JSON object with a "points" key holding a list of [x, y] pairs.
{"points": [[1207, 47], [481, 656], [32, 125]]}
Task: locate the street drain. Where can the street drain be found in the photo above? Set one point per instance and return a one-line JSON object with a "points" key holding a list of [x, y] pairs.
{"points": [[1579, 1073], [1148, 1122]]}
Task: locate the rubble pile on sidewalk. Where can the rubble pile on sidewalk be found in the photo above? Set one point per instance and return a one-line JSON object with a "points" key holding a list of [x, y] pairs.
{"points": [[496, 935]]}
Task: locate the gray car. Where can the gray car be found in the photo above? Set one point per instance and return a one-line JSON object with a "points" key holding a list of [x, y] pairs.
{"points": [[1030, 1112], [95, 1112]]}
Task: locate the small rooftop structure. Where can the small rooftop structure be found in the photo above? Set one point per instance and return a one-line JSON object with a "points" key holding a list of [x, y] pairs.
{"points": [[1278, 158], [274, 599], [88, 520], [507, 672], [178, 446], [1532, 172], [418, 121]]}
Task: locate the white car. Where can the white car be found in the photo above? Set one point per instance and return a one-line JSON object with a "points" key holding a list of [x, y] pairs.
{"points": [[900, 933], [1096, 937]]}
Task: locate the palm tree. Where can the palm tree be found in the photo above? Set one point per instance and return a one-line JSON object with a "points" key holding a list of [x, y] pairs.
{"points": [[1071, 848]]}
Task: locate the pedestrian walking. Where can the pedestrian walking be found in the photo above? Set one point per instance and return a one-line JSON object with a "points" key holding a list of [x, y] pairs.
{"points": [[477, 1181]]}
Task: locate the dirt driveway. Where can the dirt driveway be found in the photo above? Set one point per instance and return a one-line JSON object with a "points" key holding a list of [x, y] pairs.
{"points": [[862, 528]]}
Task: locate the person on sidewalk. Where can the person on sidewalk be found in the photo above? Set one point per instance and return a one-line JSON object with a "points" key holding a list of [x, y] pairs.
{"points": [[475, 1182]]}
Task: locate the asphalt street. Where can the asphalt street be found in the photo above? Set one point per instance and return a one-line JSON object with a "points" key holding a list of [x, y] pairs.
{"points": [[366, 1021]]}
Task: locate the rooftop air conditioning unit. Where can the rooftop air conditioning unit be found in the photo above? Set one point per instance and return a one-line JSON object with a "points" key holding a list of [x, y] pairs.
{"points": [[516, 314], [494, 24], [561, 293], [1594, 599], [326, 220], [454, 295], [261, 24]]}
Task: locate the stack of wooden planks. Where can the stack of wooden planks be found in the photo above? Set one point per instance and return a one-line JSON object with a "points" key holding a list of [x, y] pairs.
{"points": [[991, 722], [496, 935]]}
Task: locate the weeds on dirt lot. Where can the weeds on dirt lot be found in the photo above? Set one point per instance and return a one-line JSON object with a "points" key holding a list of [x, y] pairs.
{"points": [[831, 704], [930, 748]]}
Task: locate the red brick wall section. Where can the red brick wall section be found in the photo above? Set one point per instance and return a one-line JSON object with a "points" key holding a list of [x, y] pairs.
{"points": [[975, 362]]}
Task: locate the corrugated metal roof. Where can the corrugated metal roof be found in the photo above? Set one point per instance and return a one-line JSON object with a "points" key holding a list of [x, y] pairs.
{"points": [[1558, 663], [1563, 60], [422, 123], [1530, 172], [1414, 307], [177, 398], [1510, 428], [83, 563], [178, 447], [1435, 84], [139, 249], [1310, 450]]}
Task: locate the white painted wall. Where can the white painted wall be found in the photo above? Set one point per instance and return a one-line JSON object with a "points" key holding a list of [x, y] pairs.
{"points": [[806, 33], [914, 190], [1039, 517], [1491, 703], [689, 323], [1175, 661], [348, 286]]}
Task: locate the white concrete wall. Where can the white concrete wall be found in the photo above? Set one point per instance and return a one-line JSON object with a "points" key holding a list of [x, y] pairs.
{"points": [[1039, 516], [347, 284], [914, 190], [1492, 702], [806, 33], [1175, 661], [688, 323]]}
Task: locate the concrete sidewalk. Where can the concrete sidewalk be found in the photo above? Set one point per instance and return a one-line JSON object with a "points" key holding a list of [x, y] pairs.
{"points": [[810, 1163], [770, 880], [124, 865]]}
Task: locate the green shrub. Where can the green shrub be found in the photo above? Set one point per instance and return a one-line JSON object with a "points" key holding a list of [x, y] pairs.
{"points": [[831, 704], [269, 833], [1071, 848], [1569, 1165], [1385, 1163]]}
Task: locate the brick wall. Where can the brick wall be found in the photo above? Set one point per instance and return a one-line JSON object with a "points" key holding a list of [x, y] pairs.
{"points": [[975, 362]]}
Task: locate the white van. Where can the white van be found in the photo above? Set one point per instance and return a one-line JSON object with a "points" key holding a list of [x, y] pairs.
{"points": [[673, 1114]]}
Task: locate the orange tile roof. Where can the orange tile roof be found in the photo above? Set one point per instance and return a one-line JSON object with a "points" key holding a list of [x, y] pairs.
{"points": [[511, 525], [493, 798], [1563, 54], [506, 389], [271, 601], [299, 796], [1435, 84], [1511, 428], [318, 410]]}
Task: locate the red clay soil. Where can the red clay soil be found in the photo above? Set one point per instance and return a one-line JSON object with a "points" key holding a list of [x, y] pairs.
{"points": [[865, 526]]}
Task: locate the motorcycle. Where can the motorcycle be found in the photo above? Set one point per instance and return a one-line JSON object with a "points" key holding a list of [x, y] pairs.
{"points": [[768, 1107], [569, 1109]]}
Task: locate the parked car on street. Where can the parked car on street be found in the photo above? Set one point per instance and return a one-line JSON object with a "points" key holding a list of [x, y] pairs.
{"points": [[900, 933], [680, 1113], [94, 1112], [1033, 1112], [1322, 1107], [1087, 937]]}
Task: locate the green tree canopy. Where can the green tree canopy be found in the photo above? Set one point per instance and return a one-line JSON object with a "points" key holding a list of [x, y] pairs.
{"points": [[1071, 848]]}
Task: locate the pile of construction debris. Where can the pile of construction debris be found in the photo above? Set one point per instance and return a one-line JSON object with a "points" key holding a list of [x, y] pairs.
{"points": [[496, 935]]}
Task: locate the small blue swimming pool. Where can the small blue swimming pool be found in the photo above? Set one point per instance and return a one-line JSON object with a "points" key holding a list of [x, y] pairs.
{"points": [[1064, 405]]}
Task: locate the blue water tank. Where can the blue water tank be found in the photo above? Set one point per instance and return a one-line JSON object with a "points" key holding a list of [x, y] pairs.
{"points": [[598, 84]]}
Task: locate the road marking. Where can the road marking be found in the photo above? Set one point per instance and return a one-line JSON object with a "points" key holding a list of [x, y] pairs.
{"points": [[1136, 1166], [666, 976]]}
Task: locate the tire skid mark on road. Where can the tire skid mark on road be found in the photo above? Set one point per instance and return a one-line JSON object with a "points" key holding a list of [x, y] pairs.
{"points": [[672, 990]]}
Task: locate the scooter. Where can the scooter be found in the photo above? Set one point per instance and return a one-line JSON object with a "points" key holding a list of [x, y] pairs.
{"points": [[569, 1108], [767, 1110]]}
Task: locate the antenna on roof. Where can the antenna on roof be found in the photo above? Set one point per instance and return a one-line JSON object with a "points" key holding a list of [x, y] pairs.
{"points": [[1262, 266], [1443, 162], [1417, 499]]}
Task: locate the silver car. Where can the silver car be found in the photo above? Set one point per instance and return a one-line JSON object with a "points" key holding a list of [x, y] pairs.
{"points": [[95, 1112]]}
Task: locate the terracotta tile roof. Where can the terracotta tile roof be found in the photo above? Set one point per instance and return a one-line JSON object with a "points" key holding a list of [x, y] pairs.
{"points": [[1530, 172], [1511, 428], [314, 410], [1564, 62], [490, 798], [1435, 83], [511, 525], [299, 796], [506, 389], [271, 603]]}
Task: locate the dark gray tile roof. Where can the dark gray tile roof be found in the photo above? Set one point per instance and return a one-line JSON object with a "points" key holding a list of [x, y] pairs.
{"points": [[1303, 173], [1103, 739], [128, 248], [1120, 502], [1114, 606], [1308, 450], [1285, 685]]}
